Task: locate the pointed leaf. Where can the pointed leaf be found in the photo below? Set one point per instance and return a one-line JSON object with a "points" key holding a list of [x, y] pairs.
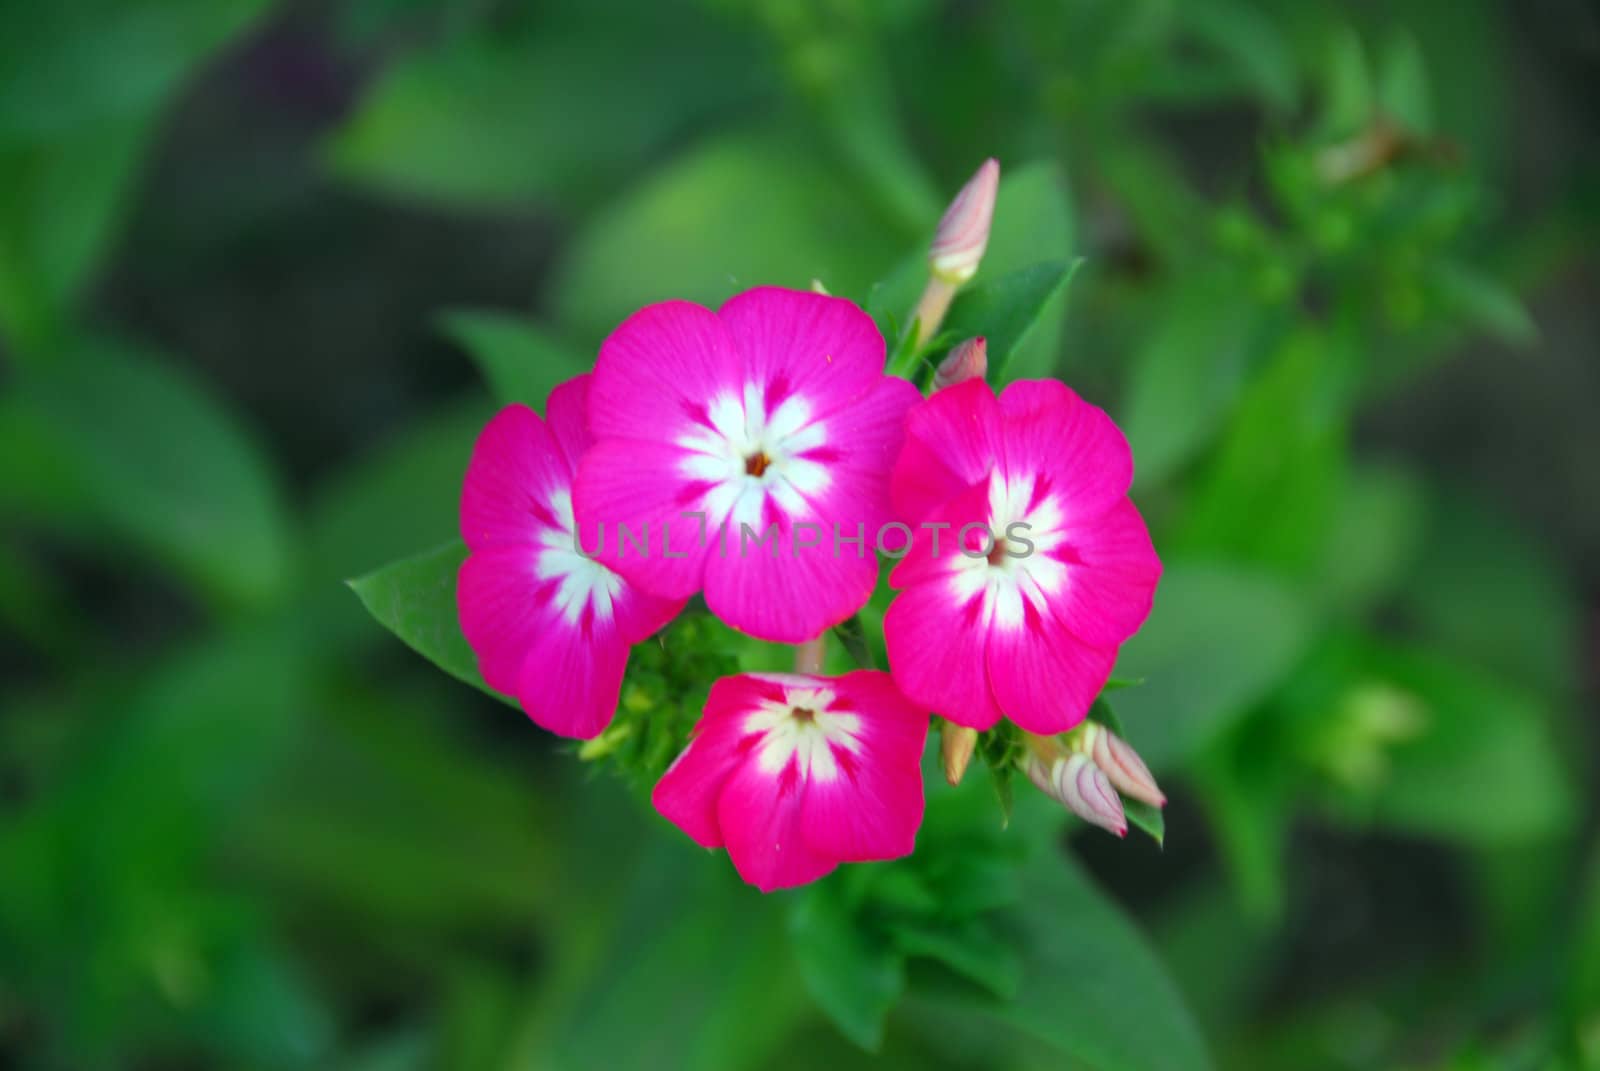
{"points": [[854, 978], [415, 598], [520, 361], [1005, 311]]}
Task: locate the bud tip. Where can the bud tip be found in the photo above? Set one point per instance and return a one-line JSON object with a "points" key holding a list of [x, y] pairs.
{"points": [[968, 360], [956, 744], [963, 233]]}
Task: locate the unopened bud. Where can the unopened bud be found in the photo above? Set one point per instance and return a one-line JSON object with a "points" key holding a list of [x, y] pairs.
{"points": [[956, 744], [963, 233], [1073, 780], [969, 360], [1122, 765]]}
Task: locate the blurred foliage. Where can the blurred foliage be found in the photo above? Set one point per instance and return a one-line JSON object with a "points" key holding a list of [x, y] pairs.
{"points": [[240, 829]]}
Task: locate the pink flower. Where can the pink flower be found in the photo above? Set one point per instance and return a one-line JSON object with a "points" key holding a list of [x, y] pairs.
{"points": [[548, 625], [1024, 625], [749, 451], [796, 774]]}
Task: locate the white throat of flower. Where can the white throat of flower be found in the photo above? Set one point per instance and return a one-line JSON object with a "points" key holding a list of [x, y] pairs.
{"points": [[1013, 575], [749, 454], [581, 581], [804, 729]]}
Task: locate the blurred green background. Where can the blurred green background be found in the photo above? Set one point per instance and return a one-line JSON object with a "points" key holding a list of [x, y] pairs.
{"points": [[1338, 286]]}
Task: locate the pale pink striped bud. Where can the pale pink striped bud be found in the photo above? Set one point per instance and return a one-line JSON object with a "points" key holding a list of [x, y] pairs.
{"points": [[1074, 781], [963, 233], [969, 360], [1122, 765], [956, 744]]}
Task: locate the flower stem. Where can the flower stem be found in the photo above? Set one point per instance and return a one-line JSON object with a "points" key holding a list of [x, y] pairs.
{"points": [[931, 307], [808, 656], [925, 320]]}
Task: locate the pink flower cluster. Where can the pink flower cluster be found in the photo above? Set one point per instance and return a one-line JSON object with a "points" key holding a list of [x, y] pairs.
{"points": [[774, 413]]}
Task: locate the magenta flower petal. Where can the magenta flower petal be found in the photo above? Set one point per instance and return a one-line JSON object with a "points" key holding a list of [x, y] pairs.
{"points": [[547, 624], [760, 819], [572, 676], [514, 471], [951, 443], [1111, 595], [738, 448], [631, 500], [1049, 430], [566, 414], [662, 363], [782, 596], [937, 630], [800, 342], [796, 774], [885, 774], [1043, 677], [1031, 629], [500, 601]]}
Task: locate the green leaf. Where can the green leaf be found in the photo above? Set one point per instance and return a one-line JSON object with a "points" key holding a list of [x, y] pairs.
{"points": [[1484, 302], [1250, 45], [969, 947], [1032, 225], [745, 210], [853, 637], [1091, 990], [1478, 559], [1581, 999], [1403, 83], [851, 976], [415, 598], [1006, 310], [401, 495], [1347, 89], [1187, 374], [85, 85], [60, 201], [1250, 805], [216, 721], [891, 299], [1002, 750], [120, 447], [521, 362], [74, 66], [848, 86], [1269, 494], [1220, 637], [1487, 767], [691, 970], [489, 121], [1375, 537]]}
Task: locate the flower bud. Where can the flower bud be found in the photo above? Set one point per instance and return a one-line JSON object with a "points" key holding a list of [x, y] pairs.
{"points": [[1073, 780], [963, 233], [956, 744], [969, 360], [1122, 765]]}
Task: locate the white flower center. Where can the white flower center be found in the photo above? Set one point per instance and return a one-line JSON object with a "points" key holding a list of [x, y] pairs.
{"points": [[748, 455], [803, 729], [1014, 574], [581, 581]]}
